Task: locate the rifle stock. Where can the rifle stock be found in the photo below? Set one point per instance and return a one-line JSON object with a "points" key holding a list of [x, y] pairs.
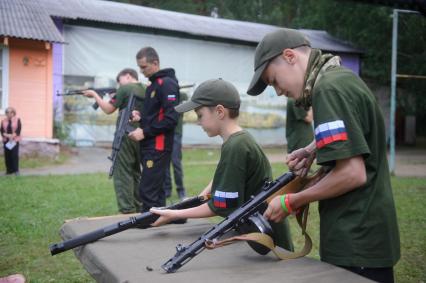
{"points": [[298, 184], [144, 220], [236, 218]]}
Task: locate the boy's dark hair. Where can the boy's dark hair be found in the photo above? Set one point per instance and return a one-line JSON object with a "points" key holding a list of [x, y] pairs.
{"points": [[149, 53], [233, 113], [127, 71]]}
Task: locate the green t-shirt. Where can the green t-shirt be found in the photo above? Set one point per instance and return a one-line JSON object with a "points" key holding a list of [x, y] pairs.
{"points": [[241, 172], [298, 133], [121, 98], [358, 228]]}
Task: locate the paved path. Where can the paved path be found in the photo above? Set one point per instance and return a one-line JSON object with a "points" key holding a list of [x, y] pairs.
{"points": [[82, 160], [410, 162]]}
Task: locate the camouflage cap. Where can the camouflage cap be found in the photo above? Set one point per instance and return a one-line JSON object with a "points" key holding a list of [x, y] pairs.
{"points": [[212, 93], [270, 47]]}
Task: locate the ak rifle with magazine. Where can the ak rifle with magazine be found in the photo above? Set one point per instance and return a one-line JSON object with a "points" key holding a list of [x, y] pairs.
{"points": [[101, 91], [248, 219], [124, 127], [142, 220]]}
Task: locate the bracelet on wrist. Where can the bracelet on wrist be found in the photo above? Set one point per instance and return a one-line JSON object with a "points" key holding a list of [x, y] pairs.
{"points": [[283, 205], [287, 203]]}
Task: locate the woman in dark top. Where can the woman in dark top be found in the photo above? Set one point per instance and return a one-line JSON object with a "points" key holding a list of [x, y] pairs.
{"points": [[10, 129]]}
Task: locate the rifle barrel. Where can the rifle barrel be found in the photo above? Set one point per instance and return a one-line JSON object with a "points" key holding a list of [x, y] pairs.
{"points": [[144, 220], [186, 86]]}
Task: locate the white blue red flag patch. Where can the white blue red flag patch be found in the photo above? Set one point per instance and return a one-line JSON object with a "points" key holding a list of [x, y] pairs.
{"points": [[171, 97], [225, 199], [330, 132]]}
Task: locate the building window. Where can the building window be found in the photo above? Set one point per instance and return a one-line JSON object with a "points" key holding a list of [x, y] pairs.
{"points": [[4, 68]]}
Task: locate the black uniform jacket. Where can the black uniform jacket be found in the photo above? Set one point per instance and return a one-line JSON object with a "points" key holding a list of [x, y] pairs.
{"points": [[159, 117]]}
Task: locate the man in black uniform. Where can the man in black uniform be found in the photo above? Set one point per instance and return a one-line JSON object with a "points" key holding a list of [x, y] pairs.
{"points": [[157, 126]]}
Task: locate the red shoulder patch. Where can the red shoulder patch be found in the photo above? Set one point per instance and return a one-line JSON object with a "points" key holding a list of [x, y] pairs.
{"points": [[160, 81]]}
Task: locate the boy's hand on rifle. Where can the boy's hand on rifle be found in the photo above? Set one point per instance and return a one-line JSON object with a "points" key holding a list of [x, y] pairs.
{"points": [[136, 116], [300, 160], [166, 216], [89, 93], [137, 135], [275, 212]]}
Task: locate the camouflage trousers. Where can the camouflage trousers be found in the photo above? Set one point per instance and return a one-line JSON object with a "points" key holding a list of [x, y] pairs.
{"points": [[127, 177]]}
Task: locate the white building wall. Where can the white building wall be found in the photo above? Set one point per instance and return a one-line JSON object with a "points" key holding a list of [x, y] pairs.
{"points": [[103, 53]]}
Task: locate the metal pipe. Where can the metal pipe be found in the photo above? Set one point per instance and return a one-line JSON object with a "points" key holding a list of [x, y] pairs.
{"points": [[393, 92]]}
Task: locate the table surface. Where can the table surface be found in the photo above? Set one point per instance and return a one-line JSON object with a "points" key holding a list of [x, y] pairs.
{"points": [[136, 255]]}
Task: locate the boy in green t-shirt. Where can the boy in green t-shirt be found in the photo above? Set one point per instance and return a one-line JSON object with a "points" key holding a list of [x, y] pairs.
{"points": [[127, 171], [358, 226], [243, 167]]}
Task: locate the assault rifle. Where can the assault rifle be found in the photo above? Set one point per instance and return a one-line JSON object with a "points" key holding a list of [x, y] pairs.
{"points": [[237, 218], [101, 91], [143, 220], [123, 128]]}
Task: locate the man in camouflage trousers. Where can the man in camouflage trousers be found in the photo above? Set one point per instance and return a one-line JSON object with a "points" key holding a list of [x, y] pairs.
{"points": [[127, 172]]}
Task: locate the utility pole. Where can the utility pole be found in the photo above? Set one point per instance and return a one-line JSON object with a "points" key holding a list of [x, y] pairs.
{"points": [[393, 92], [393, 87]]}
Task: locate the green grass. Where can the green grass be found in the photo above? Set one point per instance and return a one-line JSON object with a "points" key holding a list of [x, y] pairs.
{"points": [[211, 155], [33, 208]]}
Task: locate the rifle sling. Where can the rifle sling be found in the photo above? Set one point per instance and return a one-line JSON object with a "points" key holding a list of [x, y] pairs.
{"points": [[296, 185], [267, 241]]}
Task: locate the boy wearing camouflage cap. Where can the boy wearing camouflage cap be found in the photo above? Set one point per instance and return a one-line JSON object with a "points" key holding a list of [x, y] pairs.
{"points": [[243, 167], [358, 229]]}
